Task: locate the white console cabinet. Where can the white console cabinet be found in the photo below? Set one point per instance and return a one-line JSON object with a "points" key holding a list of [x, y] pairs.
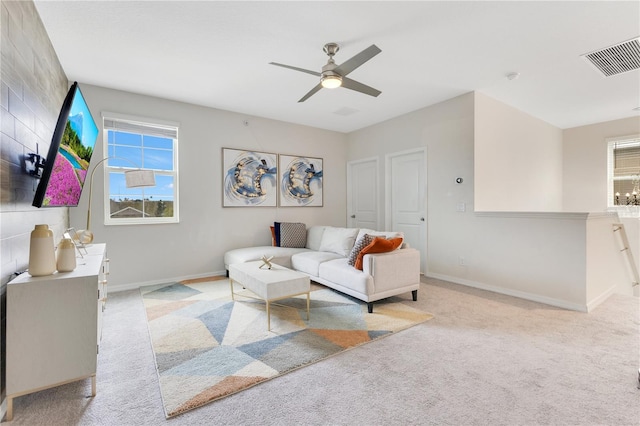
{"points": [[54, 326]]}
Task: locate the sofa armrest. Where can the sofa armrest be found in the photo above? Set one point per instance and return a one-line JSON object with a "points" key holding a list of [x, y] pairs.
{"points": [[395, 269]]}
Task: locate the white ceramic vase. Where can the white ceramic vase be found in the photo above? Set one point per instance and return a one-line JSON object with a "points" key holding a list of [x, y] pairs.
{"points": [[42, 255], [66, 256]]}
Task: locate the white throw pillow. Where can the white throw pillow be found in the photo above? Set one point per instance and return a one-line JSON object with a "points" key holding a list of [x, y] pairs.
{"points": [[338, 240], [314, 237]]}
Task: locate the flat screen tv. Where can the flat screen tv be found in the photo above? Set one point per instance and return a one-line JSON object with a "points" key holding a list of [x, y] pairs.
{"points": [[67, 162]]}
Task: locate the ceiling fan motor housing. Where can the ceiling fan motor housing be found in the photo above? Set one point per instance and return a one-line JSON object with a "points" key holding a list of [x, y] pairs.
{"points": [[330, 79], [331, 49], [328, 69]]}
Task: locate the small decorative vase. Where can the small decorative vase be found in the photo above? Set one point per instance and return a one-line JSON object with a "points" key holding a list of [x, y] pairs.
{"points": [[66, 256], [42, 255]]}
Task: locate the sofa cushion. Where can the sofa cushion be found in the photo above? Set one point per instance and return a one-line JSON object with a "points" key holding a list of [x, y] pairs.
{"points": [[338, 240], [361, 243], [314, 237], [338, 271], [309, 261], [378, 245], [281, 255]]}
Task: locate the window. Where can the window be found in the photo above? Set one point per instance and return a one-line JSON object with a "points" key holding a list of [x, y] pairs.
{"points": [[132, 143], [624, 171]]}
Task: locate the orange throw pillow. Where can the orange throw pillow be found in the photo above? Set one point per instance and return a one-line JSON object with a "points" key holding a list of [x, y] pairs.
{"points": [[273, 235], [378, 245]]}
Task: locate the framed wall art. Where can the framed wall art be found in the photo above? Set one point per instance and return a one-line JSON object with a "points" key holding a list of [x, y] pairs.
{"points": [[300, 181], [249, 178]]}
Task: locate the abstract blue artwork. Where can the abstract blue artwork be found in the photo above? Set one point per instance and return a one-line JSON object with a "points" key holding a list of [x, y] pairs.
{"points": [[249, 178], [300, 181]]}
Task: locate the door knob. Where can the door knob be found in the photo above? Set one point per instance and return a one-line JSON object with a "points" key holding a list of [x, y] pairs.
{"points": [[353, 216], [422, 219]]}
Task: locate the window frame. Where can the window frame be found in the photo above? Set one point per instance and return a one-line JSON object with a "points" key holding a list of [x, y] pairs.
{"points": [[136, 125], [612, 143]]}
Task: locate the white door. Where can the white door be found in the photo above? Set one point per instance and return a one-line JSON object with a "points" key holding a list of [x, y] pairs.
{"points": [[405, 198], [362, 194]]}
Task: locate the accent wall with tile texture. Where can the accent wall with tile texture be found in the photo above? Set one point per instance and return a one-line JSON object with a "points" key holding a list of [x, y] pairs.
{"points": [[33, 87]]}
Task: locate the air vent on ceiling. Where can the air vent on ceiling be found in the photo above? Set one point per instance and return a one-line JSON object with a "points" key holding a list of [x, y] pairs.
{"points": [[617, 59], [345, 111]]}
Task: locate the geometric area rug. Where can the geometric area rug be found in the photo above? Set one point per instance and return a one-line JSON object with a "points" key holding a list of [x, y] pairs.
{"points": [[208, 346]]}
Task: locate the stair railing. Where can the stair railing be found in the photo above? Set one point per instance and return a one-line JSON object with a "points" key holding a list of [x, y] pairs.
{"points": [[619, 228]]}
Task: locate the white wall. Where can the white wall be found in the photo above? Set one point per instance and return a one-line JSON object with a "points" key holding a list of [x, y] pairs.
{"points": [[534, 255], [518, 159], [539, 256], [446, 131], [585, 175], [196, 245], [585, 163], [559, 258]]}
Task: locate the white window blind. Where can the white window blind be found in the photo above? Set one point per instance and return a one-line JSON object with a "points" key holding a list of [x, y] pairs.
{"points": [[140, 128]]}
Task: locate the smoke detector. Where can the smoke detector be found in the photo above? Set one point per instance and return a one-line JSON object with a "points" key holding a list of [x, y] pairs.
{"points": [[617, 59]]}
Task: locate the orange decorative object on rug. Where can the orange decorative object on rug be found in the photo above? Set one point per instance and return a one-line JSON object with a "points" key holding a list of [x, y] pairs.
{"points": [[378, 245]]}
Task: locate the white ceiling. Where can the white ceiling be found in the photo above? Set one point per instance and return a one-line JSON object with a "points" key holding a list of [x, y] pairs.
{"points": [[217, 54]]}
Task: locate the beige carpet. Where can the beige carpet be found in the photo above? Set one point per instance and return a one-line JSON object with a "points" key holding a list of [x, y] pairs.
{"points": [[208, 346], [484, 359]]}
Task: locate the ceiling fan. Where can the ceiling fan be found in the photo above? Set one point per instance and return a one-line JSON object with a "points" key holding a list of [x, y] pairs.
{"points": [[333, 75]]}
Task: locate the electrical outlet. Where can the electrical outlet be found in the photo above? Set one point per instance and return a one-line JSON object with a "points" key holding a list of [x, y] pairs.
{"points": [[461, 261]]}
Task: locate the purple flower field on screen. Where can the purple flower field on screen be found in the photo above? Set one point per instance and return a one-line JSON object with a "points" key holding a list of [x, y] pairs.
{"points": [[64, 188]]}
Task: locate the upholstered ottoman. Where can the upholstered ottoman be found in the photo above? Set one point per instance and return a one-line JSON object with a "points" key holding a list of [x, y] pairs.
{"points": [[269, 285]]}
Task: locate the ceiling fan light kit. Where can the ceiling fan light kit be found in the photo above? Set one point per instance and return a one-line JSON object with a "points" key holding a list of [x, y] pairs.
{"points": [[334, 76], [331, 81]]}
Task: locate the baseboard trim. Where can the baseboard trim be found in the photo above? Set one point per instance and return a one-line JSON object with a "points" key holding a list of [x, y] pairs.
{"points": [[510, 292], [598, 300], [469, 283], [135, 286]]}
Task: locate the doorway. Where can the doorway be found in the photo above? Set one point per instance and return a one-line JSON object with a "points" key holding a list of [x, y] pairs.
{"points": [[362, 194], [405, 198]]}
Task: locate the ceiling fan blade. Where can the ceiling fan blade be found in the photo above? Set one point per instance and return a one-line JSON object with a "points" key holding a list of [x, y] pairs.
{"points": [[317, 74], [359, 87], [351, 64], [311, 92]]}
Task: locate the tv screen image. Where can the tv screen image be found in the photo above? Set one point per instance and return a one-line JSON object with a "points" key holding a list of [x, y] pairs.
{"points": [[67, 162]]}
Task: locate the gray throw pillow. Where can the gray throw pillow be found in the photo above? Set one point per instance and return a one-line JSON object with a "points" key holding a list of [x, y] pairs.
{"points": [[293, 234]]}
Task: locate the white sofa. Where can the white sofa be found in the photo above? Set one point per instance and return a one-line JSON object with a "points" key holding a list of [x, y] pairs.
{"points": [[325, 259]]}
